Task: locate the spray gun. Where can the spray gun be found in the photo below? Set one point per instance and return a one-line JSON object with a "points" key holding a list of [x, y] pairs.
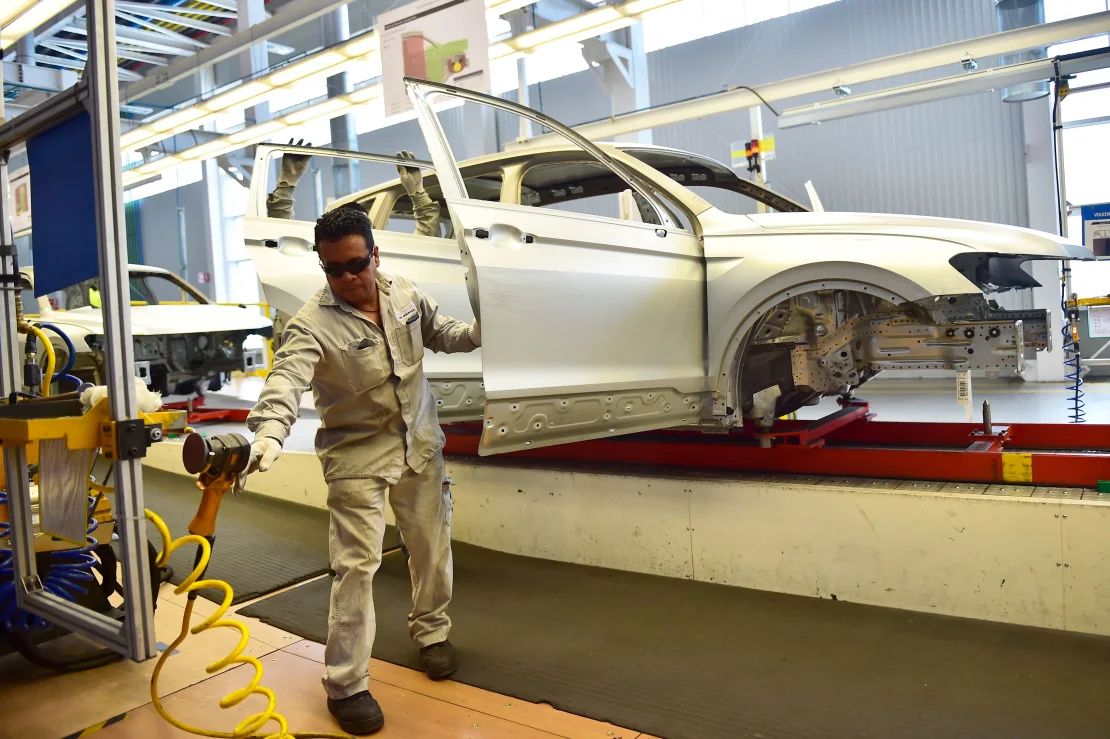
{"points": [[217, 461]]}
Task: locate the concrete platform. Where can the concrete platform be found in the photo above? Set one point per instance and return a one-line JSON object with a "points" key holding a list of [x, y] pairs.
{"points": [[1032, 556]]}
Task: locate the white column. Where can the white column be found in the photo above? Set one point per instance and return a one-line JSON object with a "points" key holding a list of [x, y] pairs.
{"points": [[213, 214], [256, 58], [343, 134]]}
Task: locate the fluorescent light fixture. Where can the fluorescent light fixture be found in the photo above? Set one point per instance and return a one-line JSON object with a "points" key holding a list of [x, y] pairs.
{"points": [[206, 150], [584, 25], [20, 17], [152, 167], [326, 108], [500, 7], [365, 94], [252, 134], [313, 112], [365, 47], [939, 89], [361, 49], [603, 19], [180, 121], [245, 95], [311, 65]]}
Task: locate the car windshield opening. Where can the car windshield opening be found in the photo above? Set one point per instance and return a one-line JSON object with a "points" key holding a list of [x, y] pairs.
{"points": [[144, 289], [714, 182]]}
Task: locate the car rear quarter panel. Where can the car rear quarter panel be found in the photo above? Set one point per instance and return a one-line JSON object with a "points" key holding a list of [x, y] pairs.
{"points": [[748, 273]]}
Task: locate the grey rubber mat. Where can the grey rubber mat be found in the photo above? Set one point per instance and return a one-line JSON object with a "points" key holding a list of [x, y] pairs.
{"points": [[676, 658], [262, 544]]}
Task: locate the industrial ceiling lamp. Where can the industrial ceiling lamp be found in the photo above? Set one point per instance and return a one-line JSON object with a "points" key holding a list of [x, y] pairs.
{"points": [[1013, 14]]}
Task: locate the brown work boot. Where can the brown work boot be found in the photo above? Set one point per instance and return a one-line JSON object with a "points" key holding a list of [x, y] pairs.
{"points": [[439, 660], [358, 714]]}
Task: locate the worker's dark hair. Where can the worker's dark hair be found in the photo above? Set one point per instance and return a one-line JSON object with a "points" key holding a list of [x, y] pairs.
{"points": [[346, 220]]}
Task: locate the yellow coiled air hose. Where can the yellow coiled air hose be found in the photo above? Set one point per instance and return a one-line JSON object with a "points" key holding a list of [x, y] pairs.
{"points": [[253, 723]]}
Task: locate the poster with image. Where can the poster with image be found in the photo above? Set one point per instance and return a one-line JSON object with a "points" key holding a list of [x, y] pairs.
{"points": [[20, 201], [437, 40]]}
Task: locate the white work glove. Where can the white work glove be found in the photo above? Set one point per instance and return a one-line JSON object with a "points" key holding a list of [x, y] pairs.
{"points": [[294, 165], [264, 452], [476, 332], [411, 179]]}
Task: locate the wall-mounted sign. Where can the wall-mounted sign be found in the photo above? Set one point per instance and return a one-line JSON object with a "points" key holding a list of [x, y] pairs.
{"points": [[1096, 228], [435, 40]]}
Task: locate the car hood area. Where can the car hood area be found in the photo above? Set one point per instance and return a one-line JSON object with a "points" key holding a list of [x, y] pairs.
{"points": [[976, 235], [157, 320]]}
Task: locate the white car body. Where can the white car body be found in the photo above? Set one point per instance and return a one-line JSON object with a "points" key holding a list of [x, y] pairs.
{"points": [[594, 326], [175, 344]]}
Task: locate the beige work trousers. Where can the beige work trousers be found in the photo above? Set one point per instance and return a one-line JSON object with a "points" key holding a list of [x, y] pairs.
{"points": [[421, 503]]}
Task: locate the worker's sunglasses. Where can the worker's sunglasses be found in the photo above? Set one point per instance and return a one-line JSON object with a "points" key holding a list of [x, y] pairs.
{"points": [[355, 266]]}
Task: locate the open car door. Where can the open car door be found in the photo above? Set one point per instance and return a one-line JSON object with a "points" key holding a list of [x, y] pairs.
{"points": [[281, 246], [592, 326]]}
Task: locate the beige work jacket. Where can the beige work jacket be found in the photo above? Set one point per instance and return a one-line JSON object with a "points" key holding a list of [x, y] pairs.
{"points": [[377, 409]]}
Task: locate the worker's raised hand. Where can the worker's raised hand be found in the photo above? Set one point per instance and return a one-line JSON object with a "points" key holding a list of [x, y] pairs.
{"points": [[411, 179], [294, 165], [264, 452]]}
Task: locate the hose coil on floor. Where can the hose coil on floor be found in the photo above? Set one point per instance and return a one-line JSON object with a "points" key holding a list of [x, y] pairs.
{"points": [[191, 584]]}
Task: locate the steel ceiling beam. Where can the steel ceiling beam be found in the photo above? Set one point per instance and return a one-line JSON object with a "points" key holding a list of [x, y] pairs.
{"points": [[79, 53], [288, 17], [231, 5], [66, 45], [159, 44], [161, 35], [876, 69], [171, 12], [57, 61], [146, 22], [942, 89]]}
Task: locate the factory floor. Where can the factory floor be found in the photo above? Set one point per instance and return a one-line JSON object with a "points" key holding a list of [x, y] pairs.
{"points": [[40, 704], [36, 703]]}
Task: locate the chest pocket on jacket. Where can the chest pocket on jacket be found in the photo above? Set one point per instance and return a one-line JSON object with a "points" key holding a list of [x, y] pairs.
{"points": [[410, 342], [365, 366]]}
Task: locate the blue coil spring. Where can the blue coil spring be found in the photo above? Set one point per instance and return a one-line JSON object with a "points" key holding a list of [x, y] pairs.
{"points": [[1072, 374], [66, 575]]}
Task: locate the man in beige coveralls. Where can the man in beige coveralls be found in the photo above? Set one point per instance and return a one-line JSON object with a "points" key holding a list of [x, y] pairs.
{"points": [[359, 344]]}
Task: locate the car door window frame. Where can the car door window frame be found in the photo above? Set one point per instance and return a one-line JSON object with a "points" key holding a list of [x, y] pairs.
{"points": [[269, 153], [454, 186]]}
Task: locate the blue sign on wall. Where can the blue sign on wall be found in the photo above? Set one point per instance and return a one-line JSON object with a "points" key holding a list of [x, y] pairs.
{"points": [[63, 235]]}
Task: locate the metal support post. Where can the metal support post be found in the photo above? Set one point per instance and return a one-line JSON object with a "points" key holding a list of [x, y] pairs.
{"points": [[520, 21], [255, 58], [138, 625], [1060, 90], [621, 64], [345, 179]]}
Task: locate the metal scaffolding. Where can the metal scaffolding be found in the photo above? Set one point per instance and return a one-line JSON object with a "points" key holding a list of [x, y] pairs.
{"points": [[98, 95]]}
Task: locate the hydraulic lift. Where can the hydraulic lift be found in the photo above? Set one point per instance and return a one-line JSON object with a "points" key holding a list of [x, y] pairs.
{"points": [[850, 443]]}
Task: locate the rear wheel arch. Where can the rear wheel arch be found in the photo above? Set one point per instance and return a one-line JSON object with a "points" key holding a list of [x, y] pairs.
{"points": [[746, 314]]}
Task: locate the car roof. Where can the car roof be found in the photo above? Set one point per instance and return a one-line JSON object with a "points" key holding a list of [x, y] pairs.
{"points": [[132, 269], [521, 153]]}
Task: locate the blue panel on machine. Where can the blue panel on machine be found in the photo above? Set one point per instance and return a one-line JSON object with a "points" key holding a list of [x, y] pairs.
{"points": [[63, 237]]}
